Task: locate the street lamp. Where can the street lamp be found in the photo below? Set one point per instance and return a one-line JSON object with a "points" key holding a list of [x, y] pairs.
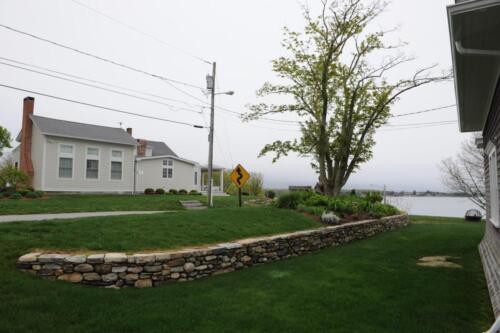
{"points": [[211, 87]]}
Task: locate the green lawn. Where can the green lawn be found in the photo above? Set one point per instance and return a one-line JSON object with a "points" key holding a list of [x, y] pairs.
{"points": [[372, 285], [70, 203]]}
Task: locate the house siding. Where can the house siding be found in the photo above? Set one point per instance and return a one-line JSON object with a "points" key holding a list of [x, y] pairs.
{"points": [[149, 175], [490, 245], [78, 183]]}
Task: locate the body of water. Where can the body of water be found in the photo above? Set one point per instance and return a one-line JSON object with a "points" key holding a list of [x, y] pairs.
{"points": [[433, 206]]}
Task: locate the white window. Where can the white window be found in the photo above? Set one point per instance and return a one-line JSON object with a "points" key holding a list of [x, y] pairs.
{"points": [[493, 175], [116, 164], [65, 161], [168, 169], [92, 163]]}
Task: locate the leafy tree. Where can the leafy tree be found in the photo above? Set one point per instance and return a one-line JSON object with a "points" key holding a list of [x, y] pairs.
{"points": [[5, 139], [255, 185], [465, 173], [340, 97], [11, 177]]}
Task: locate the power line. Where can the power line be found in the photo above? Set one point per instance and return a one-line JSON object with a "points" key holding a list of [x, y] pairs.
{"points": [[416, 127], [422, 124], [166, 79], [141, 32], [423, 111], [100, 82], [97, 87], [100, 107]]}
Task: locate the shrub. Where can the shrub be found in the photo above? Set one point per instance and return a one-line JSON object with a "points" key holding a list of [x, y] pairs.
{"points": [[149, 191], [39, 194], [31, 195], [5, 194], [317, 201], [183, 192], [194, 192], [24, 192], [270, 194], [374, 197], [11, 177], [380, 210], [16, 196], [290, 200], [159, 191], [255, 184], [172, 191]]}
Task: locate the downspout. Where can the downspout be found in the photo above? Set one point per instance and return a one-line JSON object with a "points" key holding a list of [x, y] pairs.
{"points": [[475, 52], [135, 175]]}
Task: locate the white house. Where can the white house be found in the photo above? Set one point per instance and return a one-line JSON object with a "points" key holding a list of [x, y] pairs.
{"points": [[64, 156]]}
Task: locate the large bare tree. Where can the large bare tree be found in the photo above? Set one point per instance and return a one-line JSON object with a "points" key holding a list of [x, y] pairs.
{"points": [[340, 97], [465, 173]]}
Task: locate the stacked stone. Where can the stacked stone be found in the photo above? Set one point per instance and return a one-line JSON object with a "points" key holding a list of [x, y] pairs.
{"points": [[117, 270]]}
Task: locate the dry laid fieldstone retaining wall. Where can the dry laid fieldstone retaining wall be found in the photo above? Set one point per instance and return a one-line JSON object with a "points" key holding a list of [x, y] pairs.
{"points": [[116, 270]]}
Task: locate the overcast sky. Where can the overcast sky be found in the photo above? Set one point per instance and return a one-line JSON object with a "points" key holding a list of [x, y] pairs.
{"points": [[243, 37]]}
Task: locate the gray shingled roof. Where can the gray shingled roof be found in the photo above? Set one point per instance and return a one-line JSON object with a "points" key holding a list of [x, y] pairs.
{"points": [[69, 129], [161, 149]]}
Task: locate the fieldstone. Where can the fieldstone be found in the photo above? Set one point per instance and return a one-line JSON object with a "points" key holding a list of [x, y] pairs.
{"points": [[95, 259], [176, 262], [52, 258], [210, 258], [51, 266], [117, 258], [162, 256], [189, 267], [175, 276], [144, 258], [109, 277], [119, 269], [145, 275], [30, 257], [152, 269], [201, 268], [91, 277], [84, 268], [131, 277], [103, 268], [136, 269], [113, 286], [73, 277], [146, 283], [246, 259], [75, 259], [178, 269], [36, 267]]}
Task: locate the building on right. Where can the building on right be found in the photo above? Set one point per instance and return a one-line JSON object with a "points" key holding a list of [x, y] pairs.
{"points": [[474, 32]]}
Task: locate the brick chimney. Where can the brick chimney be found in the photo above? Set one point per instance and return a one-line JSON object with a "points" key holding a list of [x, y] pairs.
{"points": [[141, 148], [26, 164], [129, 130]]}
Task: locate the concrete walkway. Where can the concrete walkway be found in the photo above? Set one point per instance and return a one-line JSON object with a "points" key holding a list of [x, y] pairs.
{"points": [[65, 216]]}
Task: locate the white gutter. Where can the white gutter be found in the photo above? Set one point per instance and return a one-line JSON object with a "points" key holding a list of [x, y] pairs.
{"points": [[495, 328], [475, 52]]}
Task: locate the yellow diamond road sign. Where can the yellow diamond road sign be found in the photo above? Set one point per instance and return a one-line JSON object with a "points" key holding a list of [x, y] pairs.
{"points": [[240, 176]]}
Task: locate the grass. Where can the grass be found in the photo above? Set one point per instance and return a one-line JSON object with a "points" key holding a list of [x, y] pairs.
{"points": [[372, 285], [72, 203]]}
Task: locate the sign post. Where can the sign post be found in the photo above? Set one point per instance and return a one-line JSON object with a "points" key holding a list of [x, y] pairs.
{"points": [[239, 177]]}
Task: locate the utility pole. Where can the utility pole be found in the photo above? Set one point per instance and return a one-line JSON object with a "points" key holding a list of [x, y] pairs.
{"points": [[211, 86]]}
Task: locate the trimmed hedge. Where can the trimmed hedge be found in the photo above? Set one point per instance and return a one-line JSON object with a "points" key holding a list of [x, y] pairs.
{"points": [[149, 191], [159, 191]]}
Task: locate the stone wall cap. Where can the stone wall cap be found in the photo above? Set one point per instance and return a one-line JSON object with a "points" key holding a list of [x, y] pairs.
{"points": [[30, 257], [115, 257]]}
